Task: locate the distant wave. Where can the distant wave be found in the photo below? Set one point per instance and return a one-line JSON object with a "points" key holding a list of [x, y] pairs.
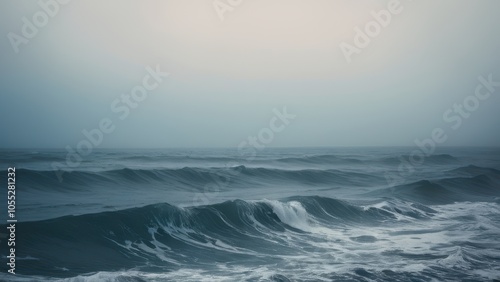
{"points": [[320, 159], [475, 170], [185, 158], [194, 177], [446, 190], [305, 159], [441, 159]]}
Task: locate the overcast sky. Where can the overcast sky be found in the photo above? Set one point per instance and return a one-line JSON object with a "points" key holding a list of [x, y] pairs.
{"points": [[228, 74]]}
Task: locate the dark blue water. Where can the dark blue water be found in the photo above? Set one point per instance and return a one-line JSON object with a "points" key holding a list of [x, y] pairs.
{"points": [[306, 214]]}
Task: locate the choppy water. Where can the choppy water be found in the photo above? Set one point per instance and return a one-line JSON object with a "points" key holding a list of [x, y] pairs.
{"points": [[317, 214]]}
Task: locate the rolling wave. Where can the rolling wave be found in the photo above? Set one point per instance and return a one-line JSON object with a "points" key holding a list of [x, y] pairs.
{"points": [[481, 187], [304, 159], [475, 170], [170, 236], [298, 215], [194, 177], [440, 159]]}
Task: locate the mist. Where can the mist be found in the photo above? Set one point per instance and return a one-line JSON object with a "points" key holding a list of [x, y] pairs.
{"points": [[229, 70]]}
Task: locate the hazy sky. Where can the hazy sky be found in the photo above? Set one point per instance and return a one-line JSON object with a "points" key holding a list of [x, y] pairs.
{"points": [[227, 76]]}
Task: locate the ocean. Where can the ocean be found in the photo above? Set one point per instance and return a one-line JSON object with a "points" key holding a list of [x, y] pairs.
{"points": [[283, 214]]}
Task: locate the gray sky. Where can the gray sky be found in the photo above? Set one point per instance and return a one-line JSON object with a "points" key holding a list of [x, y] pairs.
{"points": [[227, 75]]}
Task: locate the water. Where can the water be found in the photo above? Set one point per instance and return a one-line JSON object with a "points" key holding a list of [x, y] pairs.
{"points": [[304, 214]]}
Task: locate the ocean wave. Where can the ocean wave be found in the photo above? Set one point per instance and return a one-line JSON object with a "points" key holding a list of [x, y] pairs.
{"points": [[475, 170], [193, 178], [171, 236], [445, 190], [439, 159], [320, 159]]}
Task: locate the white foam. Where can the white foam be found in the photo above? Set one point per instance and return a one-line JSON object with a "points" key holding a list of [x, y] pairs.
{"points": [[456, 259], [291, 213]]}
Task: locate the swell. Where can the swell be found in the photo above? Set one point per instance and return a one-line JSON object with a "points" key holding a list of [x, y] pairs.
{"points": [[475, 170], [440, 159], [480, 187], [305, 159], [168, 236], [185, 158], [191, 177], [466, 179], [320, 159]]}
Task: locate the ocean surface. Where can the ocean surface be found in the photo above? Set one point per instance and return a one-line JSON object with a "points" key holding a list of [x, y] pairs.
{"points": [[303, 214]]}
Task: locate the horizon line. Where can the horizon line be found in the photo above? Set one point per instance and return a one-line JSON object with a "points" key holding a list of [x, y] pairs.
{"points": [[270, 147]]}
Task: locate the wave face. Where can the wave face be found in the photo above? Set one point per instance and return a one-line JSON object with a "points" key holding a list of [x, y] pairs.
{"points": [[194, 177], [287, 215]]}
